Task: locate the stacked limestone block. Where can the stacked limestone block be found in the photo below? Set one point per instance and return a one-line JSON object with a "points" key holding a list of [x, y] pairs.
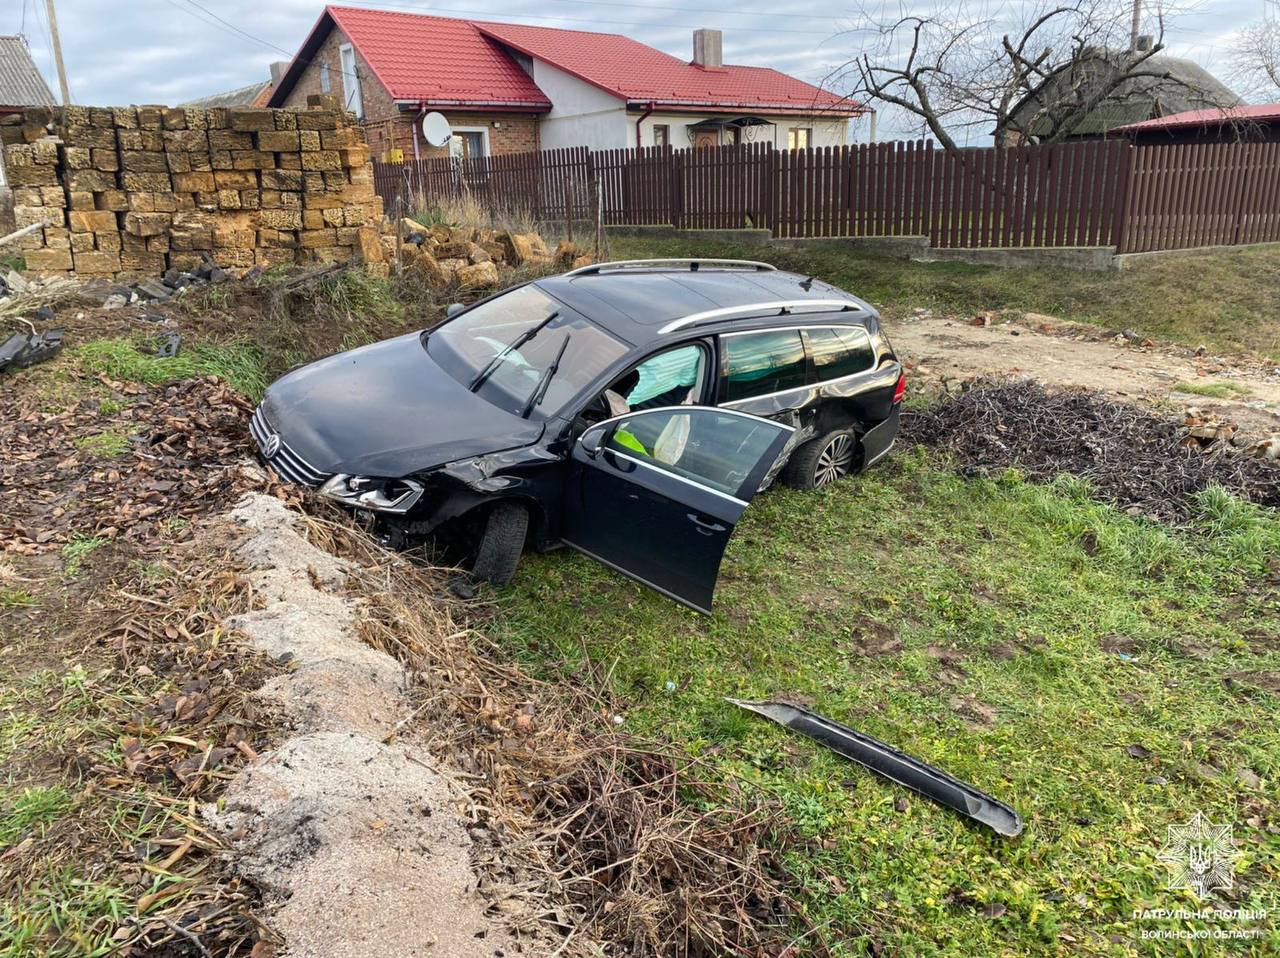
{"points": [[133, 191], [31, 162]]}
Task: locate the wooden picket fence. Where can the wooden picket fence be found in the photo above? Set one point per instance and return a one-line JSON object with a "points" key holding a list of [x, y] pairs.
{"points": [[1092, 193]]}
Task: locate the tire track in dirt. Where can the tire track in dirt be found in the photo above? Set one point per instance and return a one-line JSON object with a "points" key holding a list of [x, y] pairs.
{"points": [[949, 348]]}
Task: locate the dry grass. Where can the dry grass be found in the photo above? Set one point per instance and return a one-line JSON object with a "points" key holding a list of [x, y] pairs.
{"points": [[152, 721], [581, 830]]}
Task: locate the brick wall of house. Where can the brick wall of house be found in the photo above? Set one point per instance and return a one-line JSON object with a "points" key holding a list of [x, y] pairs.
{"points": [[386, 127], [508, 133], [379, 108]]}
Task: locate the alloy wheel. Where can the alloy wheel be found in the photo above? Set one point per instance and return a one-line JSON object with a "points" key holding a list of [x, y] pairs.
{"points": [[834, 460]]}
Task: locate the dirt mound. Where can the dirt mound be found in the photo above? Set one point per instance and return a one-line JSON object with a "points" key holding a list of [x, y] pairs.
{"points": [[1131, 456]]}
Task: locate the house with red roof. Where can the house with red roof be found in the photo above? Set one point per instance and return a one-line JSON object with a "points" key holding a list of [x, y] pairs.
{"points": [[508, 88], [1258, 123]]}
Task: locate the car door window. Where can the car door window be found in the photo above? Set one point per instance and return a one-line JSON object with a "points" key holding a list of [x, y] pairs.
{"points": [[715, 448], [671, 378], [838, 351], [760, 363]]}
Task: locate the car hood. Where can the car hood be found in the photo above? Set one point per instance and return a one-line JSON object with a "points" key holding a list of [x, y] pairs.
{"points": [[387, 410]]}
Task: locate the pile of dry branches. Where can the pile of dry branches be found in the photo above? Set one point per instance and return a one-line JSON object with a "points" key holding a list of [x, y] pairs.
{"points": [[1131, 456], [581, 833]]}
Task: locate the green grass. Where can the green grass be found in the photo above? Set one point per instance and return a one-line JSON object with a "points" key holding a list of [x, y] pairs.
{"points": [[241, 364], [1215, 390], [1227, 301], [1022, 584], [16, 599], [31, 811], [105, 444], [66, 915], [77, 551]]}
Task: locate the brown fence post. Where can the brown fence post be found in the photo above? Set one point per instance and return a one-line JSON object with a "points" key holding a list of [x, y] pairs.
{"points": [[676, 209], [1124, 200]]}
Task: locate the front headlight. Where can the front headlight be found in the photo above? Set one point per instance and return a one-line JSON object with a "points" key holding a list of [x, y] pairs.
{"points": [[380, 495]]}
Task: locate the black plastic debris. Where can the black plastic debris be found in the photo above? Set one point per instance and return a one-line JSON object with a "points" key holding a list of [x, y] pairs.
{"points": [[12, 348], [22, 350], [893, 764], [168, 345]]}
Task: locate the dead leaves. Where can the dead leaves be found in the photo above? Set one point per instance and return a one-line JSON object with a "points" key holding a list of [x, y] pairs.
{"points": [[181, 446]]}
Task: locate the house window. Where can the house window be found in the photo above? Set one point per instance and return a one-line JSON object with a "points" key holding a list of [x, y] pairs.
{"points": [[351, 81], [324, 78], [799, 138], [661, 134], [469, 142]]}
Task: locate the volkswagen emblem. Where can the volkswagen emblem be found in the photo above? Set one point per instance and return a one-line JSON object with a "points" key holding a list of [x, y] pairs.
{"points": [[271, 446]]}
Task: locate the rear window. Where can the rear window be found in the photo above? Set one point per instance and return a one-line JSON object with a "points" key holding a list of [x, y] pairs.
{"points": [[759, 363], [839, 351]]}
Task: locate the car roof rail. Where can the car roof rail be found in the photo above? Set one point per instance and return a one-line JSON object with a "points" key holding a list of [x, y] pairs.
{"points": [[693, 264], [782, 307]]}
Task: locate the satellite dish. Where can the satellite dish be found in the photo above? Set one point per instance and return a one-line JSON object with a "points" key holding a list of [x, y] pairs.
{"points": [[436, 129]]}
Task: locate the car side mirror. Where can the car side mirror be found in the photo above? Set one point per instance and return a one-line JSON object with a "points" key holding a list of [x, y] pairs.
{"points": [[593, 440], [453, 310]]}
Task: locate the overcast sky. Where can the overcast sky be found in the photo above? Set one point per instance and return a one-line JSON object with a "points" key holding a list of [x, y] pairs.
{"points": [[168, 51]]}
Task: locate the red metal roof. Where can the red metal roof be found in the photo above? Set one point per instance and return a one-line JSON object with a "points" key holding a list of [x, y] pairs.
{"points": [[445, 61], [436, 60], [632, 71], [1259, 113]]}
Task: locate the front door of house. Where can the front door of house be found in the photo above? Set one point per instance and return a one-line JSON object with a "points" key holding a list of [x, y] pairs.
{"points": [[703, 138]]}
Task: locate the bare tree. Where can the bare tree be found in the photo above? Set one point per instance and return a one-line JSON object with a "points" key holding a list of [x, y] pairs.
{"points": [[963, 67], [1256, 57]]}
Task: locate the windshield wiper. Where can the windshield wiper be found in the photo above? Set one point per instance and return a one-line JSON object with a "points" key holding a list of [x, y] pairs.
{"points": [[492, 365], [544, 381]]}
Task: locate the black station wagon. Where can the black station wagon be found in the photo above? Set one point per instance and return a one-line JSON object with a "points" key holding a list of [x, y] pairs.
{"points": [[630, 410]]}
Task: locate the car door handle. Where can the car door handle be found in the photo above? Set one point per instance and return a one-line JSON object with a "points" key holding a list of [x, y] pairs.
{"points": [[706, 528]]}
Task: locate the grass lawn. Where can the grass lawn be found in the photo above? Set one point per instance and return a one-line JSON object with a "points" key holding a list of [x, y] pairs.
{"points": [[1227, 301], [1096, 671]]}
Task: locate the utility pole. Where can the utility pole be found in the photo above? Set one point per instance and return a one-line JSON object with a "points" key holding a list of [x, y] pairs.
{"points": [[57, 52], [1134, 30]]}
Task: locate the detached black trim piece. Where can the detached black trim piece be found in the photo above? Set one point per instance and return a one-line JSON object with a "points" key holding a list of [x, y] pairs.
{"points": [[20, 351], [892, 764]]}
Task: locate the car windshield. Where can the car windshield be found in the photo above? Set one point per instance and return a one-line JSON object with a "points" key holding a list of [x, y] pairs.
{"points": [[524, 351]]}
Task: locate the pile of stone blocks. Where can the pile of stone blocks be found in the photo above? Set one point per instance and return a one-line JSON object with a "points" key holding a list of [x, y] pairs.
{"points": [[470, 257], [134, 191]]}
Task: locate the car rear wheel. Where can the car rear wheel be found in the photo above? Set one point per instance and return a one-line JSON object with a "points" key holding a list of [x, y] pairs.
{"points": [[501, 543], [822, 461]]}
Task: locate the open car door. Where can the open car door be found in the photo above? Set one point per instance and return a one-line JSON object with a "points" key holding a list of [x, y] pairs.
{"points": [[656, 494]]}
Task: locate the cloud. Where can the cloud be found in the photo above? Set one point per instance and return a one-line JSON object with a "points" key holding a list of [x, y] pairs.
{"points": [[149, 51]]}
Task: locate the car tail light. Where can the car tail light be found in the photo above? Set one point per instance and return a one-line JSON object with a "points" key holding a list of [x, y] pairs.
{"points": [[900, 390]]}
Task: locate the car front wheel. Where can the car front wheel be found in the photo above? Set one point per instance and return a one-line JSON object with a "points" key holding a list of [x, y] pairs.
{"points": [[501, 543], [822, 461]]}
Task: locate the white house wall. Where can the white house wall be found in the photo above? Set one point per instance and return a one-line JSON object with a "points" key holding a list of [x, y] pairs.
{"points": [[581, 114], [585, 115], [826, 132]]}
